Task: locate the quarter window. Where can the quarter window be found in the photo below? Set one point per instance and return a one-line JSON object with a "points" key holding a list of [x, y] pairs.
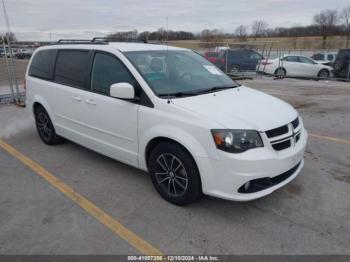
{"points": [[71, 68], [108, 70], [43, 64]]}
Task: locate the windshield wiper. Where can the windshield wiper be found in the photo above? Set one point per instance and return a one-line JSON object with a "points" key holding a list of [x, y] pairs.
{"points": [[198, 92], [179, 94], [216, 88]]}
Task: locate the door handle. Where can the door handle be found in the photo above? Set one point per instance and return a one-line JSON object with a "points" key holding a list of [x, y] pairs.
{"points": [[77, 98], [90, 102]]}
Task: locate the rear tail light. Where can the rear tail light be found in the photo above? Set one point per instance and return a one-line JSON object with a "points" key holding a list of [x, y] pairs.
{"points": [[24, 84], [266, 63], [222, 61]]}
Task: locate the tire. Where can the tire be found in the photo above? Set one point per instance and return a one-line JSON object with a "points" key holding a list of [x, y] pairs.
{"points": [[339, 64], [45, 128], [324, 73], [281, 72], [174, 174], [233, 69]]}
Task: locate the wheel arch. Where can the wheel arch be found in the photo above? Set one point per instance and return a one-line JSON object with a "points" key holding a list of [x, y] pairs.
{"points": [[161, 139], [280, 67], [324, 69], [40, 101]]}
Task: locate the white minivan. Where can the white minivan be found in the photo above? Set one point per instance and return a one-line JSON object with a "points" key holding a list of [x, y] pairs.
{"points": [[167, 111]]}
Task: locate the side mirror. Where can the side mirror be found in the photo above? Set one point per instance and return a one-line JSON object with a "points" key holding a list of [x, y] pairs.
{"points": [[122, 91]]}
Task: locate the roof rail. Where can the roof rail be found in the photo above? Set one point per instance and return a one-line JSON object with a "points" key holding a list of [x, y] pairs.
{"points": [[117, 39], [98, 40], [77, 42]]}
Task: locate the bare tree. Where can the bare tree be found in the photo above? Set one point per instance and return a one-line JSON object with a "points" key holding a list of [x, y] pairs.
{"points": [[211, 38], [345, 16], [242, 32], [259, 28], [326, 20], [8, 36]]}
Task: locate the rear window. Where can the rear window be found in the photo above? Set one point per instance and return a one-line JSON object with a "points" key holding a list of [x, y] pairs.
{"points": [[42, 64], [319, 57], [71, 67]]}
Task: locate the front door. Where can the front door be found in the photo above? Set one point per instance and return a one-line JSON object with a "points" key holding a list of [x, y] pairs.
{"points": [[112, 123]]}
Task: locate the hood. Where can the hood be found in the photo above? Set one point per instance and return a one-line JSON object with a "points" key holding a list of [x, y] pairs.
{"points": [[240, 108]]}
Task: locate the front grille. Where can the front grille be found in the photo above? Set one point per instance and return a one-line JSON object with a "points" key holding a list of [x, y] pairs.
{"points": [[286, 136], [260, 184], [282, 145], [295, 123], [277, 131]]}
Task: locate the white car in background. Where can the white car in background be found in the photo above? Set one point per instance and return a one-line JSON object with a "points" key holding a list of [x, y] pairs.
{"points": [[324, 58], [295, 65]]}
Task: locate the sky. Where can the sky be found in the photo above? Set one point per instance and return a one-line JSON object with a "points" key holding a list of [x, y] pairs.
{"points": [[55, 19]]}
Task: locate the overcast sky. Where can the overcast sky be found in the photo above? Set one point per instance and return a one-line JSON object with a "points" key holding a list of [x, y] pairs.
{"points": [[35, 19]]}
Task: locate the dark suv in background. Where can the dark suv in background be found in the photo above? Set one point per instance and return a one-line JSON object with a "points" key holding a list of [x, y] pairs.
{"points": [[239, 60], [342, 64]]}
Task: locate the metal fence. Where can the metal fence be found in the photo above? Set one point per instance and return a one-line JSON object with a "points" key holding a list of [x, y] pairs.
{"points": [[12, 72]]}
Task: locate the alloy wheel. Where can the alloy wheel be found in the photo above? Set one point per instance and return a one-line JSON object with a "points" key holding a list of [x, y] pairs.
{"points": [[44, 126], [171, 175]]}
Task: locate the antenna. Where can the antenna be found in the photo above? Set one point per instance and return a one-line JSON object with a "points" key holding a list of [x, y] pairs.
{"points": [[167, 30]]}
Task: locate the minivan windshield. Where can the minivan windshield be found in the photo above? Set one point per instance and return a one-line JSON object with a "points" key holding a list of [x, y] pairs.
{"points": [[179, 73]]}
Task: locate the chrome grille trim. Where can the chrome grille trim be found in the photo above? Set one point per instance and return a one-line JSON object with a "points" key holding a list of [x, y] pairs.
{"points": [[288, 138]]}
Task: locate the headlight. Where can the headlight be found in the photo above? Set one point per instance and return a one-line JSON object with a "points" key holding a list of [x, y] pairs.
{"points": [[236, 141]]}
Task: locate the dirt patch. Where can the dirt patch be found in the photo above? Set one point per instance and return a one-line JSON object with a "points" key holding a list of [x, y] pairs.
{"points": [[295, 189], [302, 104], [340, 174]]}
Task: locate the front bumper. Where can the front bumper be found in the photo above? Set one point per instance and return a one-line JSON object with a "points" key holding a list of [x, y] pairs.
{"points": [[223, 177]]}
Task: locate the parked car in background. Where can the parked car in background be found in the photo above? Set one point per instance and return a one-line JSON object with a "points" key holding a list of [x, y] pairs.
{"points": [[23, 55], [295, 65], [324, 58], [342, 64], [221, 48], [213, 57], [239, 60]]}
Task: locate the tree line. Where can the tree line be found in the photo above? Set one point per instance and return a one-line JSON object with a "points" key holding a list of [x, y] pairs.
{"points": [[326, 23]]}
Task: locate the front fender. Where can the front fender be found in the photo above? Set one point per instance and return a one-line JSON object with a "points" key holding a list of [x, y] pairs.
{"points": [[181, 136]]}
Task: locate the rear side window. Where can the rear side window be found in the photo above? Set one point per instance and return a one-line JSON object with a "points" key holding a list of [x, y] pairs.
{"points": [[71, 68], [318, 57], [291, 59], [330, 57], [42, 65], [108, 70]]}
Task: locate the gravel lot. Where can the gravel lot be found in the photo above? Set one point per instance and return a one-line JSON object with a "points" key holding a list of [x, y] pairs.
{"points": [[309, 216]]}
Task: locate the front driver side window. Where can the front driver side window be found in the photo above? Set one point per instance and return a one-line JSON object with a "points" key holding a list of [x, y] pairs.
{"points": [[107, 70]]}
